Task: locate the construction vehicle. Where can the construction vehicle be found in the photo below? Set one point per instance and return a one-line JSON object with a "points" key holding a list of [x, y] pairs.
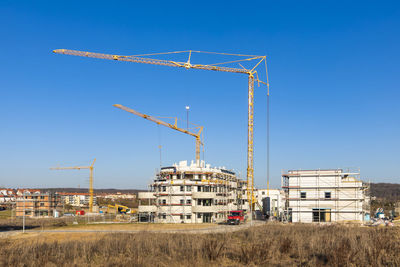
{"points": [[250, 72], [120, 209], [236, 217]]}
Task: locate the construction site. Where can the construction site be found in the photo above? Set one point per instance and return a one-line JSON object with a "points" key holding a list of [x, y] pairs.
{"points": [[219, 133], [196, 192]]}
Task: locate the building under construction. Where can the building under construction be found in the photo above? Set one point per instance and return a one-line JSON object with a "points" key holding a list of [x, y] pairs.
{"points": [[195, 193], [325, 196], [36, 204]]}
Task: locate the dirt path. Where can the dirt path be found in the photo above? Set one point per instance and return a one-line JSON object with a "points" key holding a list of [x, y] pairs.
{"points": [[90, 229]]}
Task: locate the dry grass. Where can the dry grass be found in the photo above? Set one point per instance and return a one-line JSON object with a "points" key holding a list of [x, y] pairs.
{"points": [[267, 245], [16, 224], [135, 226], [5, 214], [83, 224]]}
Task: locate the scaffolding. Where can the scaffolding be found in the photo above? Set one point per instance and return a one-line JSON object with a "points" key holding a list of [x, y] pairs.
{"points": [[316, 195], [205, 194]]}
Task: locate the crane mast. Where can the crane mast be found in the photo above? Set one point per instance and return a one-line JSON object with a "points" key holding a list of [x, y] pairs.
{"points": [[90, 179], [250, 72], [169, 125]]}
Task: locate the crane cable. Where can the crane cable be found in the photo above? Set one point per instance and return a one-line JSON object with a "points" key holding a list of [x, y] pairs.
{"points": [[268, 127], [159, 142]]}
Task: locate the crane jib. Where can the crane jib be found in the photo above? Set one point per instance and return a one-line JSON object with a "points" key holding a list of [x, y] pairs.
{"points": [[152, 61]]}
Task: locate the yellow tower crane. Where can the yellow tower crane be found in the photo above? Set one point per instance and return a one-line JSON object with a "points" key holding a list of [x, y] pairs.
{"points": [[251, 73], [90, 180], [172, 126]]}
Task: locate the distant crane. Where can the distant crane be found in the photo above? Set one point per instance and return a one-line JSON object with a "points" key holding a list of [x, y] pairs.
{"points": [[90, 180], [174, 126], [222, 66]]}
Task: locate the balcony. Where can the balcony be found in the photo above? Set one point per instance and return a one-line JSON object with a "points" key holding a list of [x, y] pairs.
{"points": [[205, 209], [146, 195], [205, 195], [151, 208]]}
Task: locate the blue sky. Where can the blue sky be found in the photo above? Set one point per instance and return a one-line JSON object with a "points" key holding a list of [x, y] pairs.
{"points": [[333, 69]]}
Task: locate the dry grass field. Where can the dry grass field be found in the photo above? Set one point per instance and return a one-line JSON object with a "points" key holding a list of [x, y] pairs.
{"points": [[266, 245]]}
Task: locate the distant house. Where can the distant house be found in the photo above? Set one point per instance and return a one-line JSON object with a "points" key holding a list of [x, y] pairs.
{"points": [[76, 199], [119, 195], [7, 195], [27, 192]]}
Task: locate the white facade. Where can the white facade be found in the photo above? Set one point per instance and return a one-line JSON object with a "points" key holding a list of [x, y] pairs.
{"points": [[186, 193], [325, 196], [276, 196], [76, 199]]}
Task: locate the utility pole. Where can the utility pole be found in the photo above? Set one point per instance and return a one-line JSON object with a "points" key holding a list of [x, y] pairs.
{"points": [[187, 117], [23, 216]]}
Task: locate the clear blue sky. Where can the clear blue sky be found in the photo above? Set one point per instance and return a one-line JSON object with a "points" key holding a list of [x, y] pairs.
{"points": [[334, 69]]}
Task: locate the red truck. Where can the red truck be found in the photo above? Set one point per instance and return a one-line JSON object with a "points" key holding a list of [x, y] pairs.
{"points": [[80, 212], [236, 217]]}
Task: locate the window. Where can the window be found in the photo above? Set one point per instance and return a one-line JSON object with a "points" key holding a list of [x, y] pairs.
{"points": [[164, 188], [263, 192], [188, 188], [182, 217], [182, 188], [198, 188], [164, 201], [328, 195], [303, 195], [41, 204], [182, 202], [321, 215], [199, 202], [189, 201], [41, 197], [164, 216], [188, 217], [198, 215]]}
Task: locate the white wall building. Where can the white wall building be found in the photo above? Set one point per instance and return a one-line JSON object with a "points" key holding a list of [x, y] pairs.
{"points": [[192, 194], [276, 202], [325, 196], [76, 199]]}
